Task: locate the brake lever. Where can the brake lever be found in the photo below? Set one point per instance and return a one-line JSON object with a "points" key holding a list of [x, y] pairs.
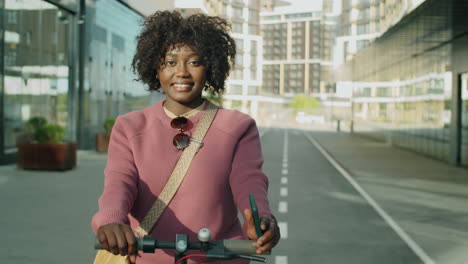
{"points": [[256, 218]]}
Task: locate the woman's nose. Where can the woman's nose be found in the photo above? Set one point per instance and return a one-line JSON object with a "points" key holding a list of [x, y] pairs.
{"points": [[182, 70]]}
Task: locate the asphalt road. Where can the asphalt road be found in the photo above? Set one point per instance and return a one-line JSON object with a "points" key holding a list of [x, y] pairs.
{"points": [[327, 220], [45, 216]]}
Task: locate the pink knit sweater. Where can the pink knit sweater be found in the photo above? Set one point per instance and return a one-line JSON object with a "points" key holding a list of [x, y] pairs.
{"points": [[223, 173]]}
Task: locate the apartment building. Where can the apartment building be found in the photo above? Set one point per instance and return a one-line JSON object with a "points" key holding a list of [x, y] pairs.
{"points": [[297, 52]]}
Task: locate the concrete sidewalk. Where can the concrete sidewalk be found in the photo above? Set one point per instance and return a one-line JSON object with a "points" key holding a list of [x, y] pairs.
{"points": [[45, 216], [427, 198]]}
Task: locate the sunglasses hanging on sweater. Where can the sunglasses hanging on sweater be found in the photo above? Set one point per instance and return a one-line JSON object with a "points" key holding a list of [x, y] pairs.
{"points": [[181, 140]]}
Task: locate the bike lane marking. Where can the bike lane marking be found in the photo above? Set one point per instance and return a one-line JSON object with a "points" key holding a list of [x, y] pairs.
{"points": [[392, 223], [283, 207], [283, 226], [284, 191], [281, 259]]}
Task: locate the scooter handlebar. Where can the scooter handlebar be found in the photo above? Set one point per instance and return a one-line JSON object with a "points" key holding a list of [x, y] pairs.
{"points": [[233, 246]]}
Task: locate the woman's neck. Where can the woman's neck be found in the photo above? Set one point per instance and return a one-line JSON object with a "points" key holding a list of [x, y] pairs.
{"points": [[181, 109]]}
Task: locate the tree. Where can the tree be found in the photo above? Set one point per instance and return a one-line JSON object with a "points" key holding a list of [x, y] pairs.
{"points": [[304, 102]]}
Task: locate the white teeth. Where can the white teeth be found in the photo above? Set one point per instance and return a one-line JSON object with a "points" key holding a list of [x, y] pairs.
{"points": [[182, 85]]}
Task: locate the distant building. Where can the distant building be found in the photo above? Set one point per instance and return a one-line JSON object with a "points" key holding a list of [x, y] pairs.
{"points": [[297, 52], [361, 21], [409, 85], [245, 79]]}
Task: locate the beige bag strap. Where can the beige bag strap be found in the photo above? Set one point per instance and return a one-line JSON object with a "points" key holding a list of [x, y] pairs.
{"points": [[179, 172]]}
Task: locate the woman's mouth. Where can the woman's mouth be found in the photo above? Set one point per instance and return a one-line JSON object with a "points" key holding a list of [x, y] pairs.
{"points": [[182, 87]]}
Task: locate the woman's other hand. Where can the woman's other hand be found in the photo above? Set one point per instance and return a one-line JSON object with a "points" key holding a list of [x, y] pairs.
{"points": [[271, 233], [118, 239]]}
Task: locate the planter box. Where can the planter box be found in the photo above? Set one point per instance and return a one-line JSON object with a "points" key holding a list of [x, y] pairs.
{"points": [[46, 156], [102, 142]]}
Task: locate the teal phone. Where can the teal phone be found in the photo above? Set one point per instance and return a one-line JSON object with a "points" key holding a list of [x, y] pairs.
{"points": [[256, 218]]}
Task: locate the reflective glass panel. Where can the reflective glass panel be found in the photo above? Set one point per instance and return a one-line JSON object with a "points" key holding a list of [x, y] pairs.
{"points": [[464, 120], [36, 77]]}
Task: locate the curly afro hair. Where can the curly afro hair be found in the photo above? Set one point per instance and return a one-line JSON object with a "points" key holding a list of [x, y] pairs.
{"points": [[208, 35]]}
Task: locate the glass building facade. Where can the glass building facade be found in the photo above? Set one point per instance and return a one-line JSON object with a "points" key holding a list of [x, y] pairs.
{"points": [[409, 87], [68, 65], [109, 87]]}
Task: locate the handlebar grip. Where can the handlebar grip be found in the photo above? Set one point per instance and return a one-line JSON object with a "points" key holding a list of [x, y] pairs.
{"points": [[241, 247], [98, 246]]}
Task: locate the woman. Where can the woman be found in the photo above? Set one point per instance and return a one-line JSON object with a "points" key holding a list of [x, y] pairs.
{"points": [[183, 57]]}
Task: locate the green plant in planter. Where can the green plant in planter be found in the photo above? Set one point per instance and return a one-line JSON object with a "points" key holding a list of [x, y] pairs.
{"points": [[108, 124], [51, 133], [42, 132], [45, 148]]}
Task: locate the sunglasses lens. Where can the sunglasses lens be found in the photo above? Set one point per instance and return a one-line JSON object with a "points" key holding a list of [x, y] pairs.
{"points": [[181, 141], [179, 123]]}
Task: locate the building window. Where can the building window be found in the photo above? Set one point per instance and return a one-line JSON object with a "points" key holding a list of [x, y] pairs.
{"points": [[253, 48], [363, 29], [253, 16], [235, 89], [237, 27], [364, 14], [12, 16], [10, 59], [238, 13], [253, 29], [239, 45], [362, 44]]}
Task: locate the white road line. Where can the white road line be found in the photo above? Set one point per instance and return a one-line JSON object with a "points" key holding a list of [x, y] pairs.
{"points": [[284, 191], [284, 172], [283, 207], [285, 146], [283, 226], [281, 260], [285, 165], [284, 180], [403, 235], [286, 139]]}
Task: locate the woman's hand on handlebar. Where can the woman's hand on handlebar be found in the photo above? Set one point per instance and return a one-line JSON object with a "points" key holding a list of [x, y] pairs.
{"points": [[118, 239], [271, 233]]}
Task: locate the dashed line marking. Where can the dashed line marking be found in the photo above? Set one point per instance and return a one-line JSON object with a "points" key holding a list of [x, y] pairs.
{"points": [[284, 191], [284, 180], [281, 260], [283, 226], [284, 172], [283, 207]]}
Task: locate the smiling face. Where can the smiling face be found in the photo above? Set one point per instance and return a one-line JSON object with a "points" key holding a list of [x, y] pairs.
{"points": [[182, 77]]}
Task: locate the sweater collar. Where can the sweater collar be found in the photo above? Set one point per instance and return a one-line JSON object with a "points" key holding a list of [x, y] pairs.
{"points": [[188, 114], [158, 111]]}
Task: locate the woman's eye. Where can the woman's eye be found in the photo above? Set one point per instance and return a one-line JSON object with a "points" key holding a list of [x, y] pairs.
{"points": [[195, 63], [170, 63]]}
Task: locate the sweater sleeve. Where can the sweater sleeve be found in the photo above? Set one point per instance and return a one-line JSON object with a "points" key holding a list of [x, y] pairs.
{"points": [[120, 180], [246, 175]]}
